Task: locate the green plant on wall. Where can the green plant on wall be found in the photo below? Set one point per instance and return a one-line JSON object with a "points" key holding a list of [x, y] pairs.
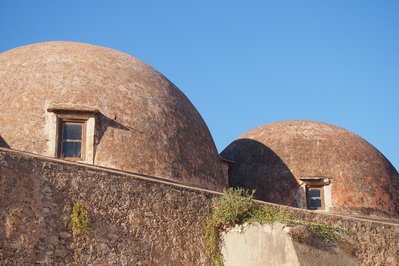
{"points": [[79, 220], [324, 232], [232, 208], [236, 206]]}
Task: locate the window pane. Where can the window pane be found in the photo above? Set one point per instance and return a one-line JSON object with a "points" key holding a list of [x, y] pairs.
{"points": [[315, 203], [314, 193], [72, 131], [71, 149]]}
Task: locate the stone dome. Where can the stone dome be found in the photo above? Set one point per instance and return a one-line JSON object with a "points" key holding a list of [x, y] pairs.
{"points": [[281, 159], [143, 122]]}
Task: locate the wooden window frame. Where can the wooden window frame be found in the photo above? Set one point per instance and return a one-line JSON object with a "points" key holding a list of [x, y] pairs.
{"points": [[321, 189], [65, 120], [60, 113]]}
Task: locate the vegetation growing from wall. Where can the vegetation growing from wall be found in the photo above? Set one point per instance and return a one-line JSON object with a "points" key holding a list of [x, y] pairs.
{"points": [[80, 228], [324, 232], [79, 220], [232, 208], [236, 206]]}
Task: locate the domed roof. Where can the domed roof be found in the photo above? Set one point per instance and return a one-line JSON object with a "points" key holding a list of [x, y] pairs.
{"points": [[145, 125], [275, 157]]}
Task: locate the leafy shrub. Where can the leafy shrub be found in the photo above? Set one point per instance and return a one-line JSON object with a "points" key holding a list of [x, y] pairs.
{"points": [[325, 232], [236, 206], [233, 207], [266, 214]]}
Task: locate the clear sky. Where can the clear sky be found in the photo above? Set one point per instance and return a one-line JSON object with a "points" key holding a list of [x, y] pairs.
{"points": [[246, 63]]}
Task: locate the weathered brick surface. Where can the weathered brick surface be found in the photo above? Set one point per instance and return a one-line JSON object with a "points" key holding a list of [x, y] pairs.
{"points": [[272, 158], [145, 125], [133, 220]]}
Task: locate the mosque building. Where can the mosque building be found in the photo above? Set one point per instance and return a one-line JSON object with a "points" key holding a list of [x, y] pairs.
{"points": [[98, 106]]}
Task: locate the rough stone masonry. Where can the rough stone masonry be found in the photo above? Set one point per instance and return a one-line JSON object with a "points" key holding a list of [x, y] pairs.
{"points": [[134, 220]]}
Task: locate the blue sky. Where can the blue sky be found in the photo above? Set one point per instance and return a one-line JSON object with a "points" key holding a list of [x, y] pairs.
{"points": [[246, 63]]}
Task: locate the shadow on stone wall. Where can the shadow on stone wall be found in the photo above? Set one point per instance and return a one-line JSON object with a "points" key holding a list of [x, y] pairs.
{"points": [[258, 167], [103, 123], [3, 143], [393, 189]]}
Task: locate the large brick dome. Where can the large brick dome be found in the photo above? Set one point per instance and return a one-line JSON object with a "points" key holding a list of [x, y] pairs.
{"points": [[285, 161], [140, 122]]}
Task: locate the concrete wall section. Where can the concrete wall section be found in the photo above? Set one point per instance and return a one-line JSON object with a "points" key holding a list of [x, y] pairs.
{"points": [[270, 244], [258, 245]]}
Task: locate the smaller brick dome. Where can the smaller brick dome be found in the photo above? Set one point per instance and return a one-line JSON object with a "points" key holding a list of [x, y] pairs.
{"points": [[279, 159]]}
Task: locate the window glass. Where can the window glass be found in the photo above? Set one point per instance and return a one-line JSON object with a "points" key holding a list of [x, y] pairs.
{"points": [[314, 197], [72, 131], [315, 203], [72, 149], [314, 193], [71, 141]]}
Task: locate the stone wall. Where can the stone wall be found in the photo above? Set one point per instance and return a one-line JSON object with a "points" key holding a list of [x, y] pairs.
{"points": [[374, 242], [134, 220]]}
